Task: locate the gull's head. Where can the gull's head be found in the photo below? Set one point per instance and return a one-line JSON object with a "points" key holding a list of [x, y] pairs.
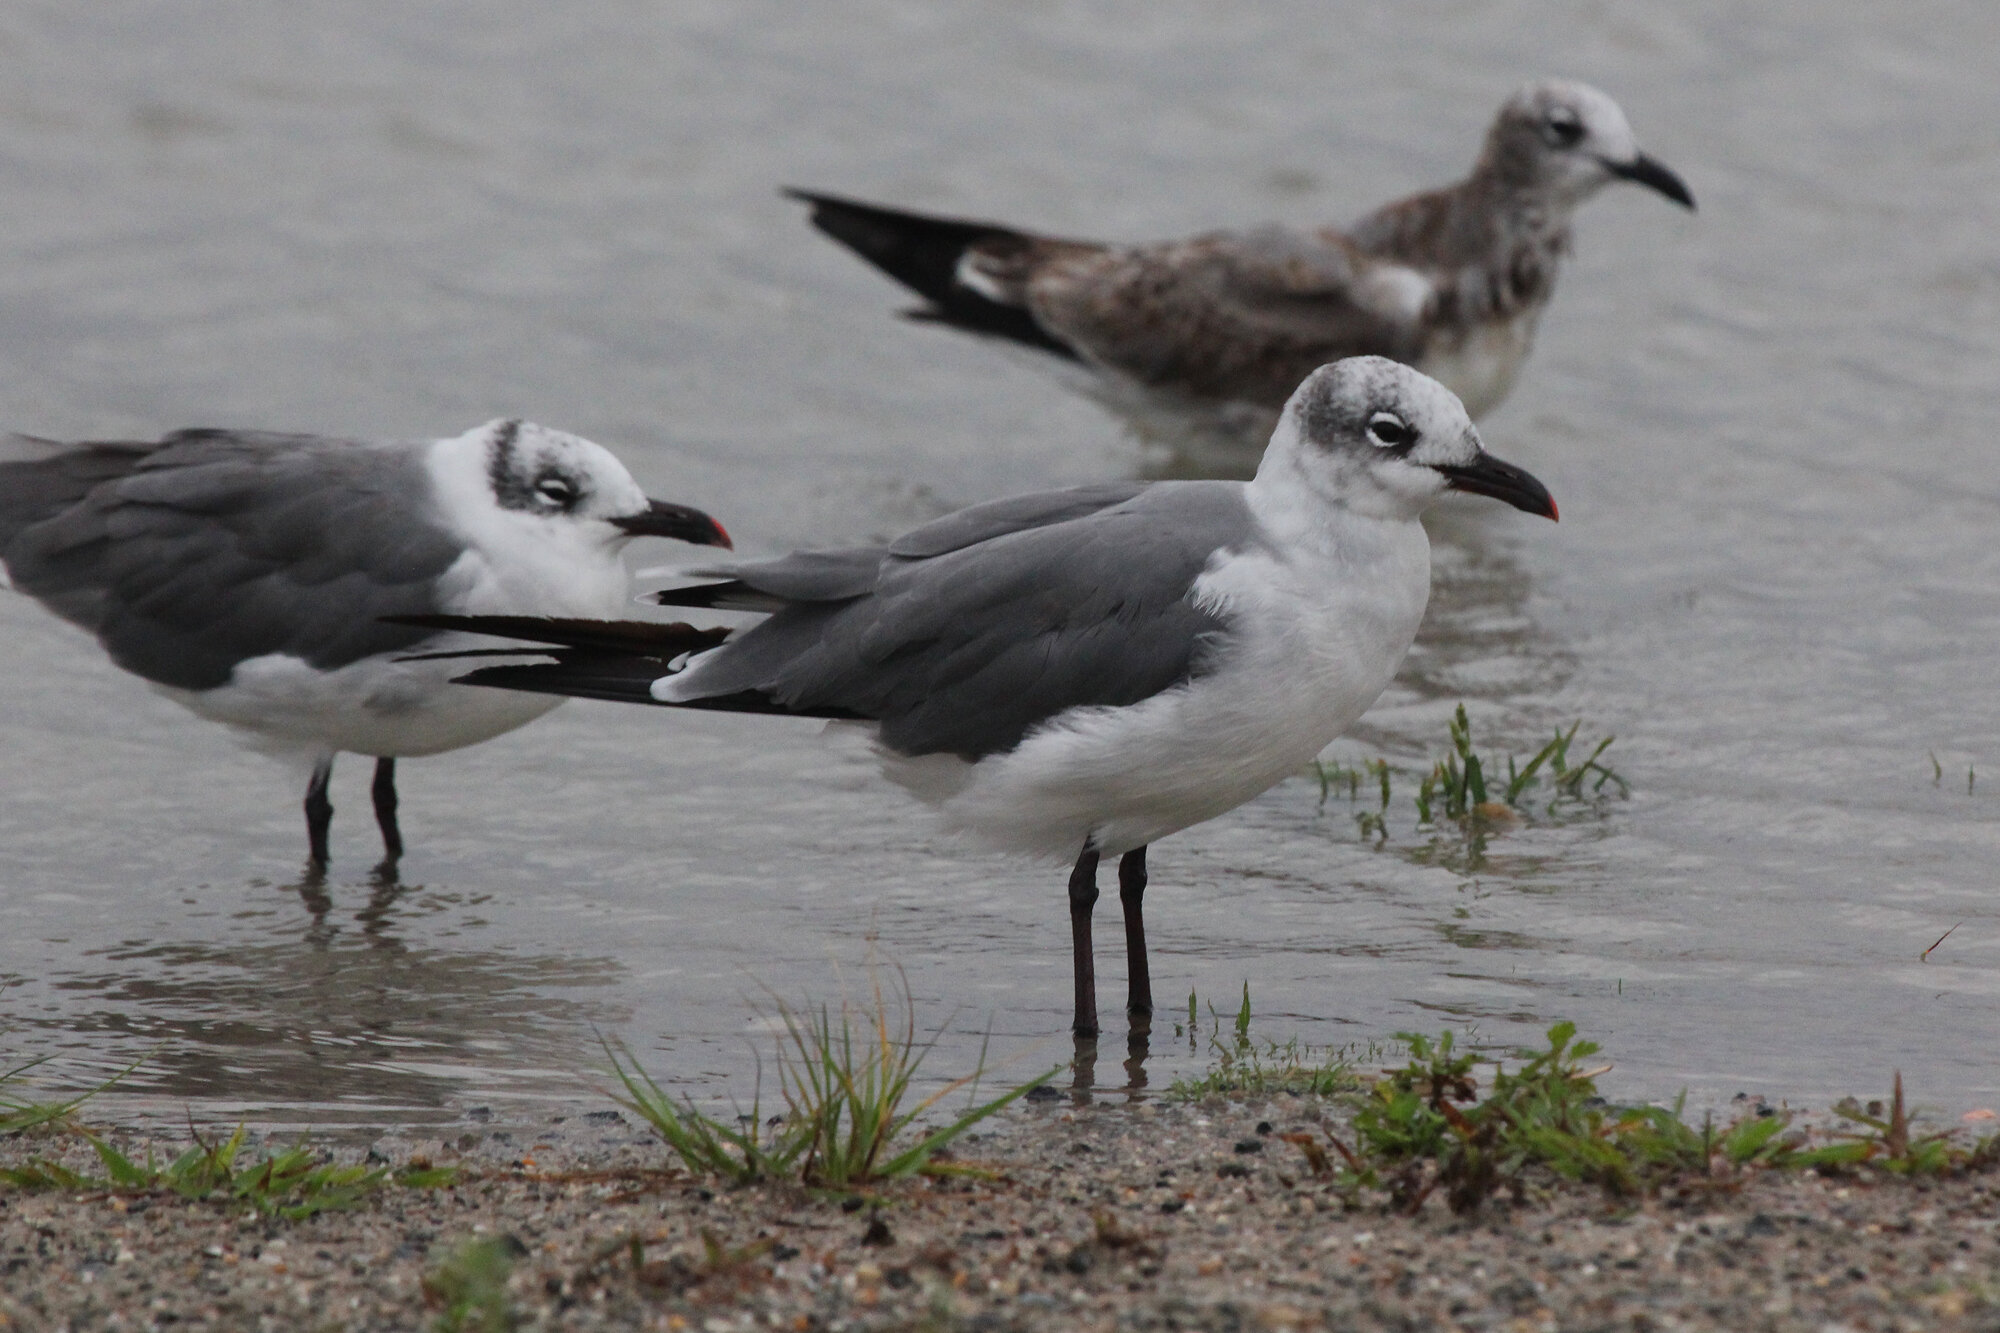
{"points": [[1565, 141], [1375, 437], [565, 479]]}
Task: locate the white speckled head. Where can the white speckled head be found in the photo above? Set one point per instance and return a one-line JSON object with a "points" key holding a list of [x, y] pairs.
{"points": [[1363, 434], [555, 475], [538, 508], [1375, 437], [1566, 140]]}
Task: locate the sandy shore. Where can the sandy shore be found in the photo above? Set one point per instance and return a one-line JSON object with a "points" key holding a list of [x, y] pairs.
{"points": [[1158, 1216]]}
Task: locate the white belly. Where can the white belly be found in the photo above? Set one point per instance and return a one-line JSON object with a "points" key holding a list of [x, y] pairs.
{"points": [[377, 706], [1482, 365]]}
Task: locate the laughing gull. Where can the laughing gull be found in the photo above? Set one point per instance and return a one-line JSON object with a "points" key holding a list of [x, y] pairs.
{"points": [[1221, 328], [244, 574], [1078, 673]]}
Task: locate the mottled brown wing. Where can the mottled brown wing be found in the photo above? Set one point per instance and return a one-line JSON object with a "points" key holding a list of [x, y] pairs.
{"points": [[1242, 316]]}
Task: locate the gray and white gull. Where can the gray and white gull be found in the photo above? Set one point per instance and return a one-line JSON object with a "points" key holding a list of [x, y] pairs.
{"points": [[246, 574], [1220, 328], [1079, 673]]}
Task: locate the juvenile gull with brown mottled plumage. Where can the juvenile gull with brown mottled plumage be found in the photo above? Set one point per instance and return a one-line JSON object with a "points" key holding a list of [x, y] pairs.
{"points": [[1223, 326]]}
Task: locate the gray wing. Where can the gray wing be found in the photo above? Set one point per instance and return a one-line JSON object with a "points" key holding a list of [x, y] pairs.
{"points": [[1231, 315], [965, 651], [210, 547]]}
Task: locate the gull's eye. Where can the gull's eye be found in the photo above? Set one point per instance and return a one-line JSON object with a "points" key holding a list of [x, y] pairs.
{"points": [[1386, 430], [1563, 128], [558, 491]]}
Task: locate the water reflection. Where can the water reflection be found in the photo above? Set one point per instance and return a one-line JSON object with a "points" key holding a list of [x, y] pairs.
{"points": [[1083, 1065], [353, 1005], [1138, 1045]]}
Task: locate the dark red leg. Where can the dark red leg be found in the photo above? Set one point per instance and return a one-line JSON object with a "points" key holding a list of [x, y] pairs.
{"points": [[1139, 977], [385, 807], [1083, 897], [319, 810]]}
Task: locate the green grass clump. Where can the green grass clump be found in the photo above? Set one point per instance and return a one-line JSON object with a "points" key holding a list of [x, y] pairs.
{"points": [[746, 1151], [1332, 777], [1465, 786], [1424, 1128], [1457, 786], [1246, 1065], [19, 1115], [848, 1118], [468, 1287], [292, 1184]]}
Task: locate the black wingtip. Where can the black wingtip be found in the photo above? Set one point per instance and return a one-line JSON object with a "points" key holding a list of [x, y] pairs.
{"points": [[651, 639], [622, 680]]}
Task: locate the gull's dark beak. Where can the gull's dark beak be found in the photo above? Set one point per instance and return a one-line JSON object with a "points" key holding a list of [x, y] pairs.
{"points": [[1656, 175], [1503, 481], [660, 519]]}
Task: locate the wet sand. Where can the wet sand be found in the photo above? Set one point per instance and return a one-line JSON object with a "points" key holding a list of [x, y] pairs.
{"points": [[1102, 1217]]}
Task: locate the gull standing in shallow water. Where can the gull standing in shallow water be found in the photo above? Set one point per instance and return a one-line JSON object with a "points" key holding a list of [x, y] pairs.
{"points": [[1219, 329], [245, 574], [1078, 673]]}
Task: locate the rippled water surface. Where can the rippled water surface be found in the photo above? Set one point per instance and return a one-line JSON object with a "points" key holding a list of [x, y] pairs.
{"points": [[1771, 428]]}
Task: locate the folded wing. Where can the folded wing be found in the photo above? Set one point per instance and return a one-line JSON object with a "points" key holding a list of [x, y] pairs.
{"points": [[187, 556]]}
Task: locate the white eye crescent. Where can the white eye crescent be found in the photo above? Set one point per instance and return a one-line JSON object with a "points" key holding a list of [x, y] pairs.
{"points": [[555, 490], [1386, 430]]}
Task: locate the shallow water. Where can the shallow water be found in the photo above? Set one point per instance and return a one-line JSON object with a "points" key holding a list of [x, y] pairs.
{"points": [[1769, 427]]}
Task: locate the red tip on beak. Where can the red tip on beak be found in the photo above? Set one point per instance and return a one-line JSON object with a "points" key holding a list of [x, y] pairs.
{"points": [[680, 522]]}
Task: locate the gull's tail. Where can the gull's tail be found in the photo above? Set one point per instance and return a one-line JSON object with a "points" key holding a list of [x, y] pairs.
{"points": [[932, 256], [614, 660]]}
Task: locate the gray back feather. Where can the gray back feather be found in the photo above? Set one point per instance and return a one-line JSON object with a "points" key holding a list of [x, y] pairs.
{"points": [[841, 575], [981, 626], [188, 556]]}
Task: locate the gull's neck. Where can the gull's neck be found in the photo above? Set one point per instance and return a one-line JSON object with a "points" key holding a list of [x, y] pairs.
{"points": [[1491, 244], [1302, 524]]}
